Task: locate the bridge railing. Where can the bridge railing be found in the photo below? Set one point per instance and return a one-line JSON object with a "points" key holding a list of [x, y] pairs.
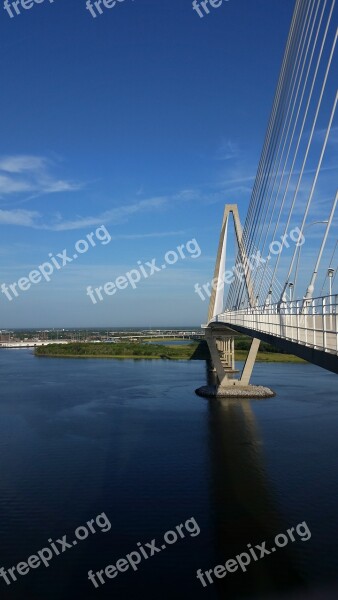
{"points": [[313, 322]]}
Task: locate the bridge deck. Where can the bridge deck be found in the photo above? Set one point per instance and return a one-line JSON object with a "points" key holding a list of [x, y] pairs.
{"points": [[310, 333]]}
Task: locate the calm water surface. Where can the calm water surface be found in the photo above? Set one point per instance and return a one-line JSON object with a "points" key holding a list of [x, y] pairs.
{"points": [[131, 439]]}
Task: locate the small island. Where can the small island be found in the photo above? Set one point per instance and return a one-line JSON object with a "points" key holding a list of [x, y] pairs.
{"points": [[120, 350], [132, 350]]}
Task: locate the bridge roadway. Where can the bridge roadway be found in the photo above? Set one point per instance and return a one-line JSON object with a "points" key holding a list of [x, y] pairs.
{"points": [[309, 332]]}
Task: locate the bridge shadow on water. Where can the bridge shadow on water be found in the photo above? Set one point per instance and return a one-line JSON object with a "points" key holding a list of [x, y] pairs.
{"points": [[244, 511]]}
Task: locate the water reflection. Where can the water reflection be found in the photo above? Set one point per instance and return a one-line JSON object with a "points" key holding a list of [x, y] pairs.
{"points": [[243, 505]]}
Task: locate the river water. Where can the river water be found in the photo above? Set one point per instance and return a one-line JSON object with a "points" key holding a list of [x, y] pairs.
{"points": [[81, 437]]}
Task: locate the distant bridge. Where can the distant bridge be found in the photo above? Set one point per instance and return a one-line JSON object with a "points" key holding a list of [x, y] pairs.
{"points": [[31, 344]]}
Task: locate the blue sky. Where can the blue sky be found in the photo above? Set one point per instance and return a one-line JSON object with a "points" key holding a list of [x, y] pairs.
{"points": [[146, 119]]}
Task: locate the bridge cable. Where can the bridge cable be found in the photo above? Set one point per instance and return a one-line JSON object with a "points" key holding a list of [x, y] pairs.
{"points": [[304, 122]]}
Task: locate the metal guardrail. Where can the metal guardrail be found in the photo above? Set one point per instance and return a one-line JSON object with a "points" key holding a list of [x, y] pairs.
{"points": [[313, 323]]}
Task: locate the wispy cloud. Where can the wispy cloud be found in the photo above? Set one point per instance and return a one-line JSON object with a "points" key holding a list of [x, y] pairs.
{"points": [[116, 215], [228, 150], [188, 195], [31, 174], [11, 185], [19, 164], [25, 218], [333, 136], [142, 236], [24, 177], [34, 219]]}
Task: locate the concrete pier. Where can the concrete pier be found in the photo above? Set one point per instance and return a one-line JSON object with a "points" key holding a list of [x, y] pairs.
{"points": [[248, 391]]}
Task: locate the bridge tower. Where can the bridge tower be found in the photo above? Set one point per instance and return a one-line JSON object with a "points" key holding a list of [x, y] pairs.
{"points": [[219, 337]]}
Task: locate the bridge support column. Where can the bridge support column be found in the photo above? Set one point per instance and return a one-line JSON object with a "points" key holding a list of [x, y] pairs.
{"points": [[215, 357], [222, 352], [250, 362]]}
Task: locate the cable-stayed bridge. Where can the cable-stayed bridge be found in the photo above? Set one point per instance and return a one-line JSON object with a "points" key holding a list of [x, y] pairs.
{"points": [[282, 287]]}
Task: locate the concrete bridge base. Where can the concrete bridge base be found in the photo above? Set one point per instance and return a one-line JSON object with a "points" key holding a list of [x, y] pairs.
{"points": [[221, 344], [247, 391], [222, 383]]}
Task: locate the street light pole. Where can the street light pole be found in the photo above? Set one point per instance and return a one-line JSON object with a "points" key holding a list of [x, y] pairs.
{"points": [[330, 273], [310, 289], [300, 247]]}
